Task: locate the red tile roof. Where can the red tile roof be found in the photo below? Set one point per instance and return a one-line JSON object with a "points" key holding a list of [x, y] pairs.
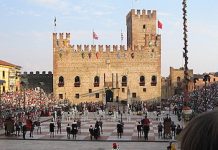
{"points": [[8, 64]]}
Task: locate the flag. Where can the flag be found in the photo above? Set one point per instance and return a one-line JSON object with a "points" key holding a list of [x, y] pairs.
{"points": [[55, 21], [160, 25], [95, 36]]}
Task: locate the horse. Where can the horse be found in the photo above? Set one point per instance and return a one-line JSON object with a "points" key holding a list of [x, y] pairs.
{"points": [[9, 126]]}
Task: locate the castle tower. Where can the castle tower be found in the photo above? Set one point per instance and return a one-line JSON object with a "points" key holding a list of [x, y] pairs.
{"points": [[94, 73], [141, 24]]}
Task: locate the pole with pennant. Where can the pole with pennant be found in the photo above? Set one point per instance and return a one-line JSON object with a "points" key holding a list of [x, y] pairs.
{"points": [[55, 24], [94, 36], [121, 37]]}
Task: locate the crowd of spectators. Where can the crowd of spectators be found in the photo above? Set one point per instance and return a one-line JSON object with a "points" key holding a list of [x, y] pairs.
{"points": [[200, 100]]}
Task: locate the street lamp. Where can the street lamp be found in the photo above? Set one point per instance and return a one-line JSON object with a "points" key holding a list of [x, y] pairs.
{"points": [[205, 79]]}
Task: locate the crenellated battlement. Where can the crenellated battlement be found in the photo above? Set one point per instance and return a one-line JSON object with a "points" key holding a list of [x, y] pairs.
{"points": [[61, 36], [66, 46], [37, 73], [142, 13], [97, 48]]}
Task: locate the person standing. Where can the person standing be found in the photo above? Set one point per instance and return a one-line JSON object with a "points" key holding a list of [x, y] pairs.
{"points": [[51, 128], [91, 132], [58, 125], [146, 127], [68, 130], [139, 129], [160, 129], [119, 129], [74, 129], [24, 132], [17, 128], [101, 125]]}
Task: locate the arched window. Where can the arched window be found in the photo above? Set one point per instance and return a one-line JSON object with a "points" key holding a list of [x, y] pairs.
{"points": [[153, 80], [77, 81], [96, 81], [178, 79], [61, 81], [124, 81], [179, 83], [142, 81]]}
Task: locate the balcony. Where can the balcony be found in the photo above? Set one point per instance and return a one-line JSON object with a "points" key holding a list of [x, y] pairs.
{"points": [[61, 84], [141, 83], [153, 83], [124, 83], [76, 84], [96, 84]]}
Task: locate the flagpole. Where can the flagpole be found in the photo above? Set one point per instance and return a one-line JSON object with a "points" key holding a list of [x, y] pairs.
{"points": [[55, 25]]}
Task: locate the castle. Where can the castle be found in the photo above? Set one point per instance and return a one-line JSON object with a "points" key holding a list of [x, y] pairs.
{"points": [[111, 73]]}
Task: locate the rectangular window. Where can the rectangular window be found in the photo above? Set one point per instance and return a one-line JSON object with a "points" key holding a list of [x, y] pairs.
{"points": [[3, 74], [90, 90], [60, 96], [133, 95], [77, 95], [123, 90], [144, 89], [96, 95]]}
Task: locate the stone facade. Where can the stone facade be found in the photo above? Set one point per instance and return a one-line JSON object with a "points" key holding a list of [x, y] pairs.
{"points": [[110, 73], [174, 83]]}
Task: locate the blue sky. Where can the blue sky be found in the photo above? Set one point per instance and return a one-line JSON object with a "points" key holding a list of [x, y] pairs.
{"points": [[26, 28]]}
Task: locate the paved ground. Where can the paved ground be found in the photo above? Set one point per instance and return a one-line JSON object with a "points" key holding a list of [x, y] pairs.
{"points": [[109, 129], [78, 145]]}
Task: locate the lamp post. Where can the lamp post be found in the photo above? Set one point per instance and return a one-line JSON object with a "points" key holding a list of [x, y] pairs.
{"points": [[205, 79]]}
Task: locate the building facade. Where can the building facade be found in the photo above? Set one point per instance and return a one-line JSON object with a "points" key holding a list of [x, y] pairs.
{"points": [[174, 83], [10, 73], [111, 73]]}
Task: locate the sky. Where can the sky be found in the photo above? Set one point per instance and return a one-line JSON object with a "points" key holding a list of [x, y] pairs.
{"points": [[26, 28]]}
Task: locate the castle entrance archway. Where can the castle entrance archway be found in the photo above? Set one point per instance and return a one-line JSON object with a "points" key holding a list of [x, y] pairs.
{"points": [[109, 96]]}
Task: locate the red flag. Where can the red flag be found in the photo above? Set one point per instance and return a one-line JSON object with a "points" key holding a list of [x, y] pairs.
{"points": [[95, 36], [160, 25]]}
